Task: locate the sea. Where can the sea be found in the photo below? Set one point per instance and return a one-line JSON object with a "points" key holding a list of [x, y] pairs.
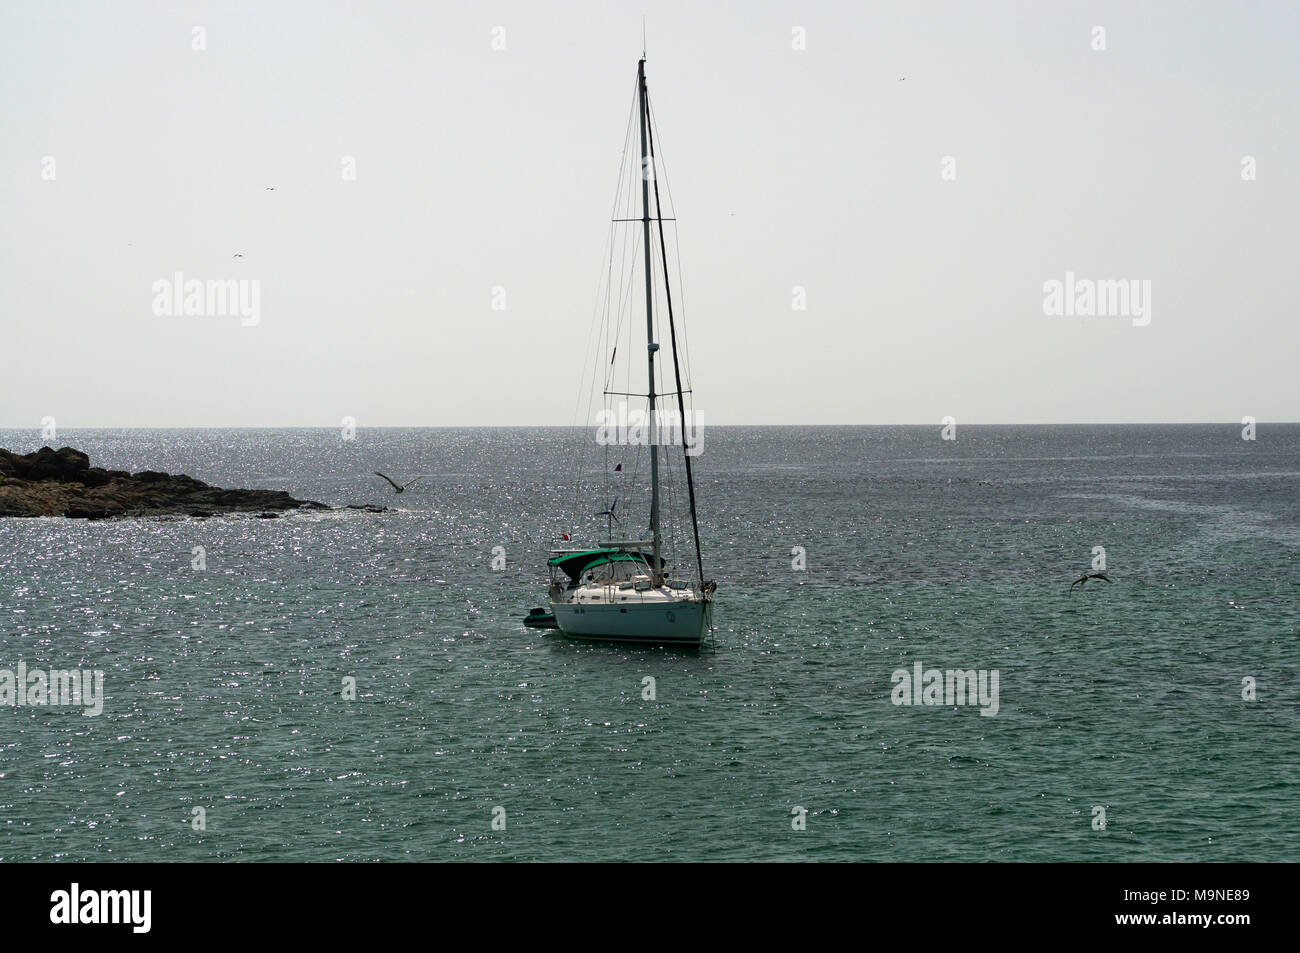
{"points": [[354, 686]]}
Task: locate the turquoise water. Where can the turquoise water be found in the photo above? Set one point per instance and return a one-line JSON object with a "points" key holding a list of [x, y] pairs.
{"points": [[223, 686]]}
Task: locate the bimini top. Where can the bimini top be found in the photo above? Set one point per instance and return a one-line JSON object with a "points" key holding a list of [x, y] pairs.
{"points": [[575, 564]]}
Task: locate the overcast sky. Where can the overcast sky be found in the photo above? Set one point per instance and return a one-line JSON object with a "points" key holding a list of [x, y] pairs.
{"points": [[820, 168]]}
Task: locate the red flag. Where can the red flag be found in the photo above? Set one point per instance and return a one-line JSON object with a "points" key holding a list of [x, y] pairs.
{"points": [[564, 536]]}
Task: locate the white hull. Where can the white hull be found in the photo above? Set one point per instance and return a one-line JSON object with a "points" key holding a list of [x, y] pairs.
{"points": [[652, 623]]}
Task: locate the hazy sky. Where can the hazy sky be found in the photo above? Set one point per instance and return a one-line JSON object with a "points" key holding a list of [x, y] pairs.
{"points": [[814, 167]]}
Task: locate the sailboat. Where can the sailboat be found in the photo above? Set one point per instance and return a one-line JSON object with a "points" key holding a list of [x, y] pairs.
{"points": [[623, 589]]}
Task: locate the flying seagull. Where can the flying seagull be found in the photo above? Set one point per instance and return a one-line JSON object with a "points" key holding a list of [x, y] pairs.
{"points": [[401, 488], [1086, 576], [236, 255]]}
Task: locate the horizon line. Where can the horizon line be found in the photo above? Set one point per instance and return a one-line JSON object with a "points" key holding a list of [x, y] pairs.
{"points": [[1126, 423]]}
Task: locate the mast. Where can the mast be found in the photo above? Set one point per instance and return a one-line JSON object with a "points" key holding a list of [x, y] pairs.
{"points": [[646, 171], [677, 368]]}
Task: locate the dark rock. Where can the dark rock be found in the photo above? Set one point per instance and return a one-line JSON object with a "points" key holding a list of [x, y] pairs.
{"points": [[44, 464], [63, 483], [94, 476], [87, 513]]}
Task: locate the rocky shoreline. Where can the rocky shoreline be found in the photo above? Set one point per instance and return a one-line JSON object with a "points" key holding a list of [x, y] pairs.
{"points": [[63, 483]]}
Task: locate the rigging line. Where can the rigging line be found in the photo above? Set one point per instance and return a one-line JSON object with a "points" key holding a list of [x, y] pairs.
{"points": [[681, 294], [612, 306], [681, 404], [628, 266], [597, 360], [596, 313], [609, 291], [681, 283], [594, 350], [612, 234], [622, 306], [618, 185], [627, 289], [597, 352]]}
